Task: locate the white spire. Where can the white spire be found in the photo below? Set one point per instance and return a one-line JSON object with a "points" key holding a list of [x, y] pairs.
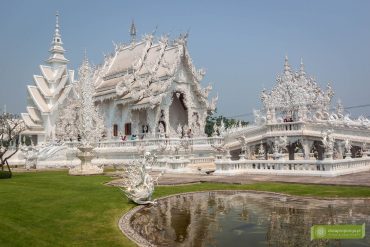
{"points": [[57, 50], [301, 69], [287, 69], [133, 32]]}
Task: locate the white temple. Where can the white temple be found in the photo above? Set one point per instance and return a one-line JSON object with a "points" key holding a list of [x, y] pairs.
{"points": [[151, 88], [296, 133], [149, 94]]}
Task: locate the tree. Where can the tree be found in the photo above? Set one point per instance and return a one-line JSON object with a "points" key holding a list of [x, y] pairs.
{"points": [[229, 122], [11, 127]]}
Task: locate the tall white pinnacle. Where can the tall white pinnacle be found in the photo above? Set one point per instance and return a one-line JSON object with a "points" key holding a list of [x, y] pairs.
{"points": [[301, 69], [287, 69], [56, 50], [133, 32]]}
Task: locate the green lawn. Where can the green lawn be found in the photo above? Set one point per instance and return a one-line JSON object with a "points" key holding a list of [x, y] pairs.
{"points": [[54, 209]]}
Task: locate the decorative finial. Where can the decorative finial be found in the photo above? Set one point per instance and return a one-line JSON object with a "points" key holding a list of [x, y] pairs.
{"points": [[133, 32], [85, 62], [301, 69], [85, 55], [286, 65], [57, 37], [57, 19], [57, 50]]}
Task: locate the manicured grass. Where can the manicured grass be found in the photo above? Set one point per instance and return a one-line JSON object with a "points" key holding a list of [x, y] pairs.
{"points": [[54, 209]]}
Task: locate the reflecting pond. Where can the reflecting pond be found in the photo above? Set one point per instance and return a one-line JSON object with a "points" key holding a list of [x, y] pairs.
{"points": [[231, 218]]}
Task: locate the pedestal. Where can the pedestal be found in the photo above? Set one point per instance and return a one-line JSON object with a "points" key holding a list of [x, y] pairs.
{"points": [[85, 154], [348, 156]]}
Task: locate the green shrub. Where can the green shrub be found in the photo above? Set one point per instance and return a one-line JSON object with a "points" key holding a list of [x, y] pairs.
{"points": [[5, 174]]}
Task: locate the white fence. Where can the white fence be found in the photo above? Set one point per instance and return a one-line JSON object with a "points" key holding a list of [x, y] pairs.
{"points": [[154, 142], [293, 167]]}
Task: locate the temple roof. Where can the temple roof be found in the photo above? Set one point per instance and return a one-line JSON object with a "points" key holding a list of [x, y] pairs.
{"points": [[29, 122], [144, 56], [141, 73]]}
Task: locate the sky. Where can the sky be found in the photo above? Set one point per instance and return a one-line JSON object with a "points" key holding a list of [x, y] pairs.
{"points": [[240, 44]]}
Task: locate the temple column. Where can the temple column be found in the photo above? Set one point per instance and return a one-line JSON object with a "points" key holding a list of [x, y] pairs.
{"points": [[167, 119], [273, 115], [135, 122], [151, 117]]}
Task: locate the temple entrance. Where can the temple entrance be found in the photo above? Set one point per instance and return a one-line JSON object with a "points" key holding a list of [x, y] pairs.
{"points": [[178, 112]]}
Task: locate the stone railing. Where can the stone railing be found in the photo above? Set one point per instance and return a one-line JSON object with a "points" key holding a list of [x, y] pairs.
{"points": [[293, 167], [153, 142], [285, 126], [199, 160]]}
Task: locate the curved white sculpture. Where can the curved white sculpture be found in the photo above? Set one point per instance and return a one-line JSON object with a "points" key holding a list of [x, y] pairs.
{"points": [[139, 184]]}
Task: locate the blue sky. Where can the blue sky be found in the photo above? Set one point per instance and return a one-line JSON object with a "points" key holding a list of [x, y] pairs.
{"points": [[241, 44]]}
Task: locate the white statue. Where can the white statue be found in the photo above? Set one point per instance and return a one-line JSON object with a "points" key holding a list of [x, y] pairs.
{"points": [[161, 128], [347, 145], [328, 142], [261, 152], [138, 183], [31, 154]]}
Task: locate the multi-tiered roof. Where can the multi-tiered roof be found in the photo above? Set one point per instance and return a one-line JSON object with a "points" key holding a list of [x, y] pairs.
{"points": [[141, 73], [49, 91]]}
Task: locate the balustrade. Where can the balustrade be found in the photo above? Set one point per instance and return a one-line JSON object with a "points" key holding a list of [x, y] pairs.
{"points": [[292, 167], [153, 142]]}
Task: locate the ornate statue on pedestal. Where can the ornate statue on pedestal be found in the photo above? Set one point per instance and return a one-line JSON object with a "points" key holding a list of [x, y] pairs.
{"points": [[138, 183], [328, 143]]}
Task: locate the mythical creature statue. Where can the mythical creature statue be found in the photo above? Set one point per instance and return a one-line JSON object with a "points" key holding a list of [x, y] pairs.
{"points": [[261, 152], [347, 145], [328, 141], [279, 145], [30, 154], [138, 183]]}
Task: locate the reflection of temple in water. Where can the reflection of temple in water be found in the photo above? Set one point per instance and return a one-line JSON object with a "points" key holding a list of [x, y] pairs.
{"points": [[213, 218]]}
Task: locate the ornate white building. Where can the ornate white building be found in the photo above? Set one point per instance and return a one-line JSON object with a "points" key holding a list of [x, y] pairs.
{"points": [[296, 133], [151, 87], [145, 88], [150, 97], [48, 93]]}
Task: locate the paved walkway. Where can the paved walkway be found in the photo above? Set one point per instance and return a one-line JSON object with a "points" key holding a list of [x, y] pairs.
{"points": [[359, 179]]}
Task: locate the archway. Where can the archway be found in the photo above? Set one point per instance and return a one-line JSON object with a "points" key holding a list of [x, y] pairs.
{"points": [[178, 112]]}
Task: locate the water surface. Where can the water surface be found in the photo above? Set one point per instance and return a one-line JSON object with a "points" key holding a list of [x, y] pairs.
{"points": [[246, 219]]}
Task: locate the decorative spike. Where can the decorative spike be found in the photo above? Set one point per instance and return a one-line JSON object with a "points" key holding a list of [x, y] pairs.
{"points": [[133, 32], [57, 50], [286, 65], [301, 69], [85, 55]]}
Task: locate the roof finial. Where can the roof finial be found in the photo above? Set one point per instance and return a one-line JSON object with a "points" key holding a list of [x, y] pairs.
{"points": [[301, 69], [57, 50], [57, 19], [85, 55], [133, 32], [286, 65]]}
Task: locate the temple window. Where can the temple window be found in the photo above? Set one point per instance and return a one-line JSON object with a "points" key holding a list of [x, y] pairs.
{"points": [[127, 129], [115, 130]]}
